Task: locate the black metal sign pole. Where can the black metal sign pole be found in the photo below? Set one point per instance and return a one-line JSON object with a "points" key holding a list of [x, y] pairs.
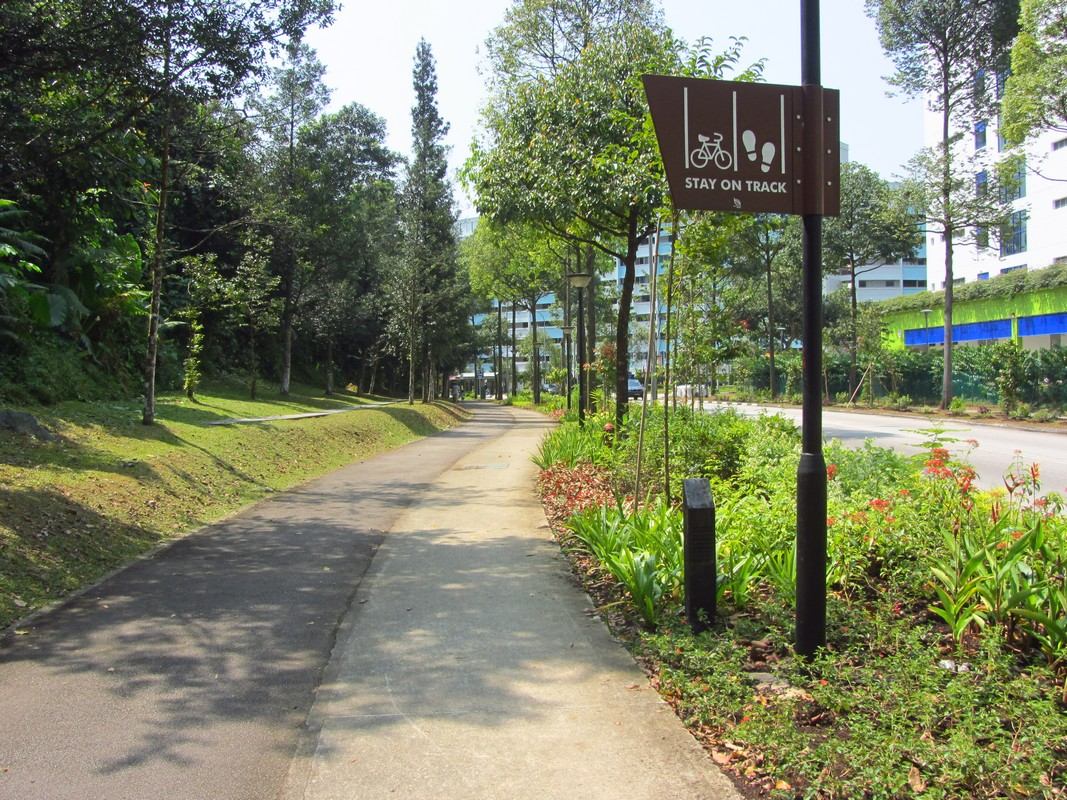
{"points": [[811, 475]]}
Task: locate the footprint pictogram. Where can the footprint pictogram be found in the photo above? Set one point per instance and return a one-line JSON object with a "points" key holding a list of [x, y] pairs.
{"points": [[768, 156], [748, 139], [766, 153]]}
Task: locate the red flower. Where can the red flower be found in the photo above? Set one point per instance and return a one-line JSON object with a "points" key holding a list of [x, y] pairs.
{"points": [[831, 471], [878, 504]]}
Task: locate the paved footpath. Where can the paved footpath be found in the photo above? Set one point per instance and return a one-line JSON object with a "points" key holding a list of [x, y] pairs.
{"points": [[403, 627], [472, 666]]}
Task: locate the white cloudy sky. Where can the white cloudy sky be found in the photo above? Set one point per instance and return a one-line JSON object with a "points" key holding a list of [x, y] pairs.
{"points": [[368, 53]]}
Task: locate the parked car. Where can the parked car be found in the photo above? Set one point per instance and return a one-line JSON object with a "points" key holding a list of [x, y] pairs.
{"points": [[634, 389]]}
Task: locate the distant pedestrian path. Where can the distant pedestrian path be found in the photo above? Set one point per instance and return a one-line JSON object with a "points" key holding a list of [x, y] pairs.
{"points": [[305, 415]]}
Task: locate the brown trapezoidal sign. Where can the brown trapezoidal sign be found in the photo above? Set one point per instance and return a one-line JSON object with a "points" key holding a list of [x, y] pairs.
{"points": [[734, 146]]}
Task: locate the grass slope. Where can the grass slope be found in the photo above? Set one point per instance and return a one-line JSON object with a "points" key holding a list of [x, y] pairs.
{"points": [[112, 489]]}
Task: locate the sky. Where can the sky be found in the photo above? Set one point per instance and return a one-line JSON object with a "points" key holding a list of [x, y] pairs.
{"points": [[369, 50]]}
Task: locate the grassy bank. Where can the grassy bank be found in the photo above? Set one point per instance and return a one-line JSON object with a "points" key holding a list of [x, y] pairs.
{"points": [[111, 489]]}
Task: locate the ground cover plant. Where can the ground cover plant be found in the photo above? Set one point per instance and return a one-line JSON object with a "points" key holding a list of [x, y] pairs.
{"points": [[110, 488], [945, 670]]}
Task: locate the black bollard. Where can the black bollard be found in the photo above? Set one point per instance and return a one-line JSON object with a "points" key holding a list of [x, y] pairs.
{"points": [[698, 514]]}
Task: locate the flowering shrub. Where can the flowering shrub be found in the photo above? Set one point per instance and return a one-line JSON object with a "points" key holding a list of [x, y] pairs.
{"points": [[948, 605], [921, 529]]}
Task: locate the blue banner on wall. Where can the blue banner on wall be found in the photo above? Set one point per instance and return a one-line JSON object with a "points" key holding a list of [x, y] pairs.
{"points": [[1043, 324], [968, 332]]}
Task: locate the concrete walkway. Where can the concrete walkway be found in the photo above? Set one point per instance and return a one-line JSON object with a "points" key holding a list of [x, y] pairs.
{"points": [[471, 665]]}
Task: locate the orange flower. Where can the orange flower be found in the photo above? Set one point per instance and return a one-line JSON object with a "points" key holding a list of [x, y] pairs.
{"points": [[878, 504], [831, 471]]}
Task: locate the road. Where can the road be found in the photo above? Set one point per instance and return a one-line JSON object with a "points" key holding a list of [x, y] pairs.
{"points": [[189, 675], [997, 444]]}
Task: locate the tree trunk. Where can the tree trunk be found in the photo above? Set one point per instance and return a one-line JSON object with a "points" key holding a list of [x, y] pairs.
{"points": [[514, 356], [853, 339], [148, 415], [589, 356], [622, 330], [412, 308], [667, 363], [770, 332], [499, 352], [567, 354], [329, 366], [411, 366], [535, 371], [252, 365], [287, 350], [946, 199]]}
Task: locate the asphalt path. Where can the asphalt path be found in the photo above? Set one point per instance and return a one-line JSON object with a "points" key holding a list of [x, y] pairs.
{"points": [[189, 675], [995, 453]]}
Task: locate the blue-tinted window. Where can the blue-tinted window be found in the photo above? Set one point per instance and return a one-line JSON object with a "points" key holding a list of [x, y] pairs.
{"points": [[983, 276], [979, 134], [1013, 235], [1002, 76], [1015, 183]]}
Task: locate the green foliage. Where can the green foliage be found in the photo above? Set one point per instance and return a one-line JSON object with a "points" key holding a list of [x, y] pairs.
{"points": [[569, 445], [642, 550], [1000, 287], [50, 368], [191, 374], [947, 629], [1035, 94]]}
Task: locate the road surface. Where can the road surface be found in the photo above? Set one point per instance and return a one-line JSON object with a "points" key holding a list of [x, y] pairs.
{"points": [[997, 444]]}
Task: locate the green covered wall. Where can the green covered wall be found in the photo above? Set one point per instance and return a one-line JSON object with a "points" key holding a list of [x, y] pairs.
{"points": [[1022, 304]]}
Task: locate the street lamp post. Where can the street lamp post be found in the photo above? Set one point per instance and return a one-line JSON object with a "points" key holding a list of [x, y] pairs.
{"points": [[579, 280]]}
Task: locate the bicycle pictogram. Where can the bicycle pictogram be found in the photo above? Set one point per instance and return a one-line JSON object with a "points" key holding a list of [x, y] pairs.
{"points": [[710, 152]]}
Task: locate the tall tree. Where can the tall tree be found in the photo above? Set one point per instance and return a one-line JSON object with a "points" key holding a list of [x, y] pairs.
{"points": [[876, 225], [942, 50], [346, 209], [540, 37], [426, 289], [297, 96], [518, 263], [708, 324], [1035, 96], [758, 250], [573, 154], [202, 50]]}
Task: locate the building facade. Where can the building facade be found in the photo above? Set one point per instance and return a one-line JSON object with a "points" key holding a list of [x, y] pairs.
{"points": [[1036, 233]]}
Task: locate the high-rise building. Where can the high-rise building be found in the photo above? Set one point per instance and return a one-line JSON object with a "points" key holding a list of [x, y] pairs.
{"points": [[1036, 233]]}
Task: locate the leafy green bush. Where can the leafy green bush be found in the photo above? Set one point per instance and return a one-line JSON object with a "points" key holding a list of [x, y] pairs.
{"points": [[51, 369], [642, 550], [569, 445]]}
